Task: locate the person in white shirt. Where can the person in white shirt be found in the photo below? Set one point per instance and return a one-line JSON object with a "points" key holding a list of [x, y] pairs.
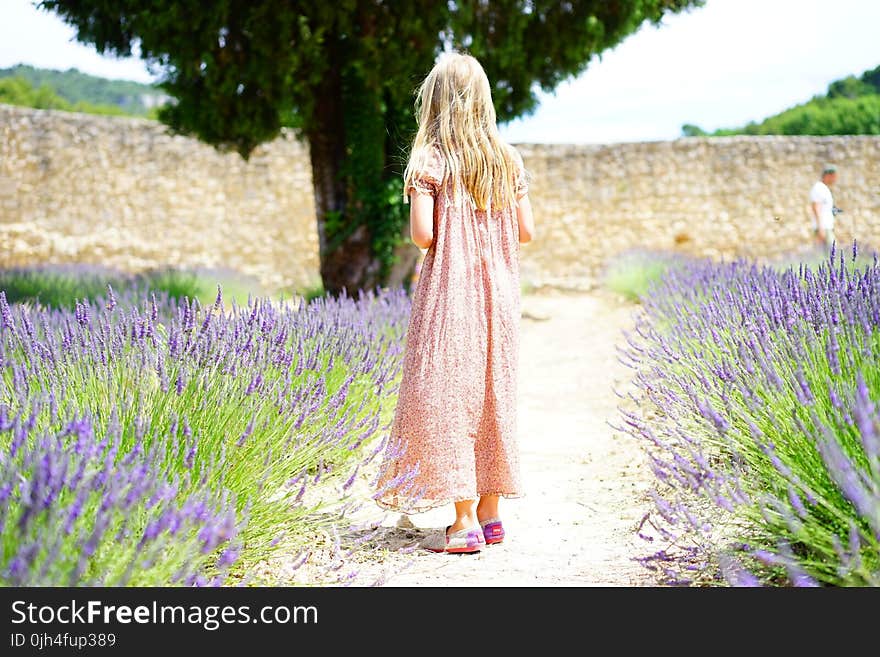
{"points": [[822, 206]]}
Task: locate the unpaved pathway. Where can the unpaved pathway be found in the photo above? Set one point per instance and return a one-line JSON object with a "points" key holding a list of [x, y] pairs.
{"points": [[585, 482]]}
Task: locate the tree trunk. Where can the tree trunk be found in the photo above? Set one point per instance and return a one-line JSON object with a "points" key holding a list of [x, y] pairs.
{"points": [[347, 262], [350, 265]]}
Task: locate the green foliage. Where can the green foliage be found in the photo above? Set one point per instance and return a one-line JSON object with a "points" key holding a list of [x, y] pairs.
{"points": [[633, 273], [828, 116], [56, 287], [821, 116], [61, 286], [850, 87], [851, 107], [18, 91], [87, 91], [691, 130], [313, 292], [853, 87]]}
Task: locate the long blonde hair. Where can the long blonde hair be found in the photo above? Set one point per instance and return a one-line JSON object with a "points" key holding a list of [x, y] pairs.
{"points": [[455, 114]]}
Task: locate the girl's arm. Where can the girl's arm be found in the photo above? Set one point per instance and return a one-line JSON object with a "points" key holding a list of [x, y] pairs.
{"points": [[421, 219], [525, 219]]}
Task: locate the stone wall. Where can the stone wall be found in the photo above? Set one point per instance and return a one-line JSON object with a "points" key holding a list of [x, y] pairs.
{"points": [[125, 193], [717, 197]]}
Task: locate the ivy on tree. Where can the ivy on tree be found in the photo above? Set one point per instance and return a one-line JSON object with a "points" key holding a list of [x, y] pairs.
{"points": [[343, 75]]}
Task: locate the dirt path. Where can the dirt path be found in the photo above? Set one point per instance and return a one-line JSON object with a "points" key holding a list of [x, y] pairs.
{"points": [[585, 482]]}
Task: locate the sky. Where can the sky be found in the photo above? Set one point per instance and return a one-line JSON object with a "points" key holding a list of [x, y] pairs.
{"points": [[720, 65]]}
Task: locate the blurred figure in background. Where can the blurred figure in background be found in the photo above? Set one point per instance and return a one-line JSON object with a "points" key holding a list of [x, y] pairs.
{"points": [[822, 208]]}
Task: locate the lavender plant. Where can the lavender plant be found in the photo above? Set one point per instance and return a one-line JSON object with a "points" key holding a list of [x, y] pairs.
{"points": [[633, 272], [263, 399], [815, 256], [62, 285], [77, 510], [757, 406]]}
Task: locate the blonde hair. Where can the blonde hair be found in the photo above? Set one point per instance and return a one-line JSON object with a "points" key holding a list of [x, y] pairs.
{"points": [[455, 114]]}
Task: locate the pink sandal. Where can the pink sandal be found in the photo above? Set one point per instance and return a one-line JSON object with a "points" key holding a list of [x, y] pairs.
{"points": [[464, 540], [493, 531]]}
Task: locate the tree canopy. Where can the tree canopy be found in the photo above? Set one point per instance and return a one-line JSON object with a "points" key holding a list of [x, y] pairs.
{"points": [[343, 73]]}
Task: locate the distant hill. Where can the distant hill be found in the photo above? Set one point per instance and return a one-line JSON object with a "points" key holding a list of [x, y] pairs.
{"points": [[850, 107], [82, 91]]}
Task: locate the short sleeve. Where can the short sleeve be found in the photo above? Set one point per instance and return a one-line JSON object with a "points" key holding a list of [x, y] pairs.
{"points": [[521, 182], [428, 172]]}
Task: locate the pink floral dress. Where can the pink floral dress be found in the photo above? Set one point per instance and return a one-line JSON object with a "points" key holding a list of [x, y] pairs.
{"points": [[455, 418]]}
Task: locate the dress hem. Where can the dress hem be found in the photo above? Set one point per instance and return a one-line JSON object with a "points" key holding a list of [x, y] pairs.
{"points": [[423, 507]]}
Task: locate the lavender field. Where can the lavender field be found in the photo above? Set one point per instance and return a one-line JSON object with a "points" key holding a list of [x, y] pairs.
{"points": [[151, 441], [756, 400]]}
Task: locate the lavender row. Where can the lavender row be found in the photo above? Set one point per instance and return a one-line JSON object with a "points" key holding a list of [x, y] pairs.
{"points": [[76, 510], [757, 405], [243, 404]]}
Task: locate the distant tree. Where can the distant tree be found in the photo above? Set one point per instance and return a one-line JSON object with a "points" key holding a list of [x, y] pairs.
{"points": [[77, 87], [853, 87], [828, 116], [851, 107], [849, 87], [691, 130], [19, 91], [872, 78], [344, 73]]}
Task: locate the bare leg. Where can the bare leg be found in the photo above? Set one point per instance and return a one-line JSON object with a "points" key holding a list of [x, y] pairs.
{"points": [[464, 516], [487, 507]]}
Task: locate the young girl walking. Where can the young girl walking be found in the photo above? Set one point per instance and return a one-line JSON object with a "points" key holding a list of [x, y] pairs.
{"points": [[453, 437]]}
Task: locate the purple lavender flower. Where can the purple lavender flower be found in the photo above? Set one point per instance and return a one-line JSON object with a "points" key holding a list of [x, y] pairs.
{"points": [[124, 352], [771, 361], [736, 574]]}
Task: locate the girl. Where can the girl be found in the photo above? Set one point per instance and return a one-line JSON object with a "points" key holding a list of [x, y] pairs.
{"points": [[453, 437]]}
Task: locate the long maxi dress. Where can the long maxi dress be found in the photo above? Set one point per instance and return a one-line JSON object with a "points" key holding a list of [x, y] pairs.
{"points": [[455, 419]]}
